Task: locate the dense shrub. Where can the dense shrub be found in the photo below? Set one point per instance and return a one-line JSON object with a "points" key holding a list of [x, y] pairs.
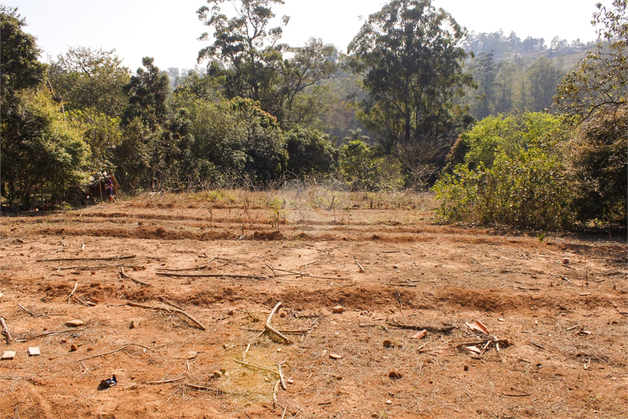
{"points": [[525, 185], [599, 162]]}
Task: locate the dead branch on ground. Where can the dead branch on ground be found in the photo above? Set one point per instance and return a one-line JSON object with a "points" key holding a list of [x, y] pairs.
{"points": [[269, 328], [5, 331], [444, 330], [170, 310], [41, 335], [175, 275], [87, 259], [137, 281]]}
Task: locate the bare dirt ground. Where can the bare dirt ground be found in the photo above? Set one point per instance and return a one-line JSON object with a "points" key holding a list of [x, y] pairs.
{"points": [[359, 277]]}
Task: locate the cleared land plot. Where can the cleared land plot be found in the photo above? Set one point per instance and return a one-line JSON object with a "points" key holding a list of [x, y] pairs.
{"points": [[359, 277]]}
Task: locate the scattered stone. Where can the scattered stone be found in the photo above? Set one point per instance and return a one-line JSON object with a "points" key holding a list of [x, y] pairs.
{"points": [[389, 344], [335, 356], [75, 323], [566, 261], [34, 351], [7, 355], [216, 375], [420, 335], [338, 310], [395, 375], [73, 348]]}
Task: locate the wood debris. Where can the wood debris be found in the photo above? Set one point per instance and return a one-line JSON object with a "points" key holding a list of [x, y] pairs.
{"points": [[269, 328], [485, 341], [5, 331], [171, 310]]}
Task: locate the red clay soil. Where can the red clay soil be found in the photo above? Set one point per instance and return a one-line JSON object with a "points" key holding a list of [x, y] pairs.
{"points": [[358, 282]]}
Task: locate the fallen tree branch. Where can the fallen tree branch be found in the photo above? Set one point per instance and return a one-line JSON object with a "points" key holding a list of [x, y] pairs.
{"points": [[104, 353], [203, 388], [5, 331], [269, 328], [112, 352], [137, 281], [57, 332], [172, 380], [32, 313], [174, 275], [90, 259], [257, 367], [170, 310], [444, 330], [72, 293], [165, 301]]}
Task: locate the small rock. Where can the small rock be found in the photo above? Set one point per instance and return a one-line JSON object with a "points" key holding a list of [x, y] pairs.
{"points": [[395, 375], [388, 401], [7, 355], [466, 368], [389, 344], [34, 351], [216, 375], [192, 354], [335, 356], [74, 323], [565, 261], [231, 312], [134, 324], [420, 335], [73, 348], [338, 310]]}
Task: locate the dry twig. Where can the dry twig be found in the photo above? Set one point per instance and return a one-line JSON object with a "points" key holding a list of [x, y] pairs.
{"points": [[170, 310], [72, 293], [32, 313], [90, 259], [5, 331], [269, 328], [174, 275], [137, 281]]}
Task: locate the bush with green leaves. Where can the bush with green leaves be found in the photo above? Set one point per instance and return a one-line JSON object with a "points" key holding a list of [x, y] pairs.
{"points": [[310, 153], [525, 186], [43, 155], [364, 170]]}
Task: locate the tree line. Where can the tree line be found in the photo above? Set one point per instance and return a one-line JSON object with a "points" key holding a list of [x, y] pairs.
{"points": [[399, 109]]}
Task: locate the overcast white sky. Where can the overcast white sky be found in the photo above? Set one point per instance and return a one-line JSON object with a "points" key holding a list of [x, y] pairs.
{"points": [[168, 30]]}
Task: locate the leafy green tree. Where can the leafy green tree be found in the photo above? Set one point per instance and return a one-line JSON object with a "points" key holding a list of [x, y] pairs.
{"points": [[19, 58], [600, 81], [145, 122], [42, 154], [412, 66], [543, 81], [148, 90], [515, 174], [309, 65], [87, 79], [310, 153], [363, 169], [246, 47], [485, 71], [595, 96]]}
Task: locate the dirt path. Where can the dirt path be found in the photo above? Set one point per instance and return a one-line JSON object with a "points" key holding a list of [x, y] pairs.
{"points": [[347, 277]]}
